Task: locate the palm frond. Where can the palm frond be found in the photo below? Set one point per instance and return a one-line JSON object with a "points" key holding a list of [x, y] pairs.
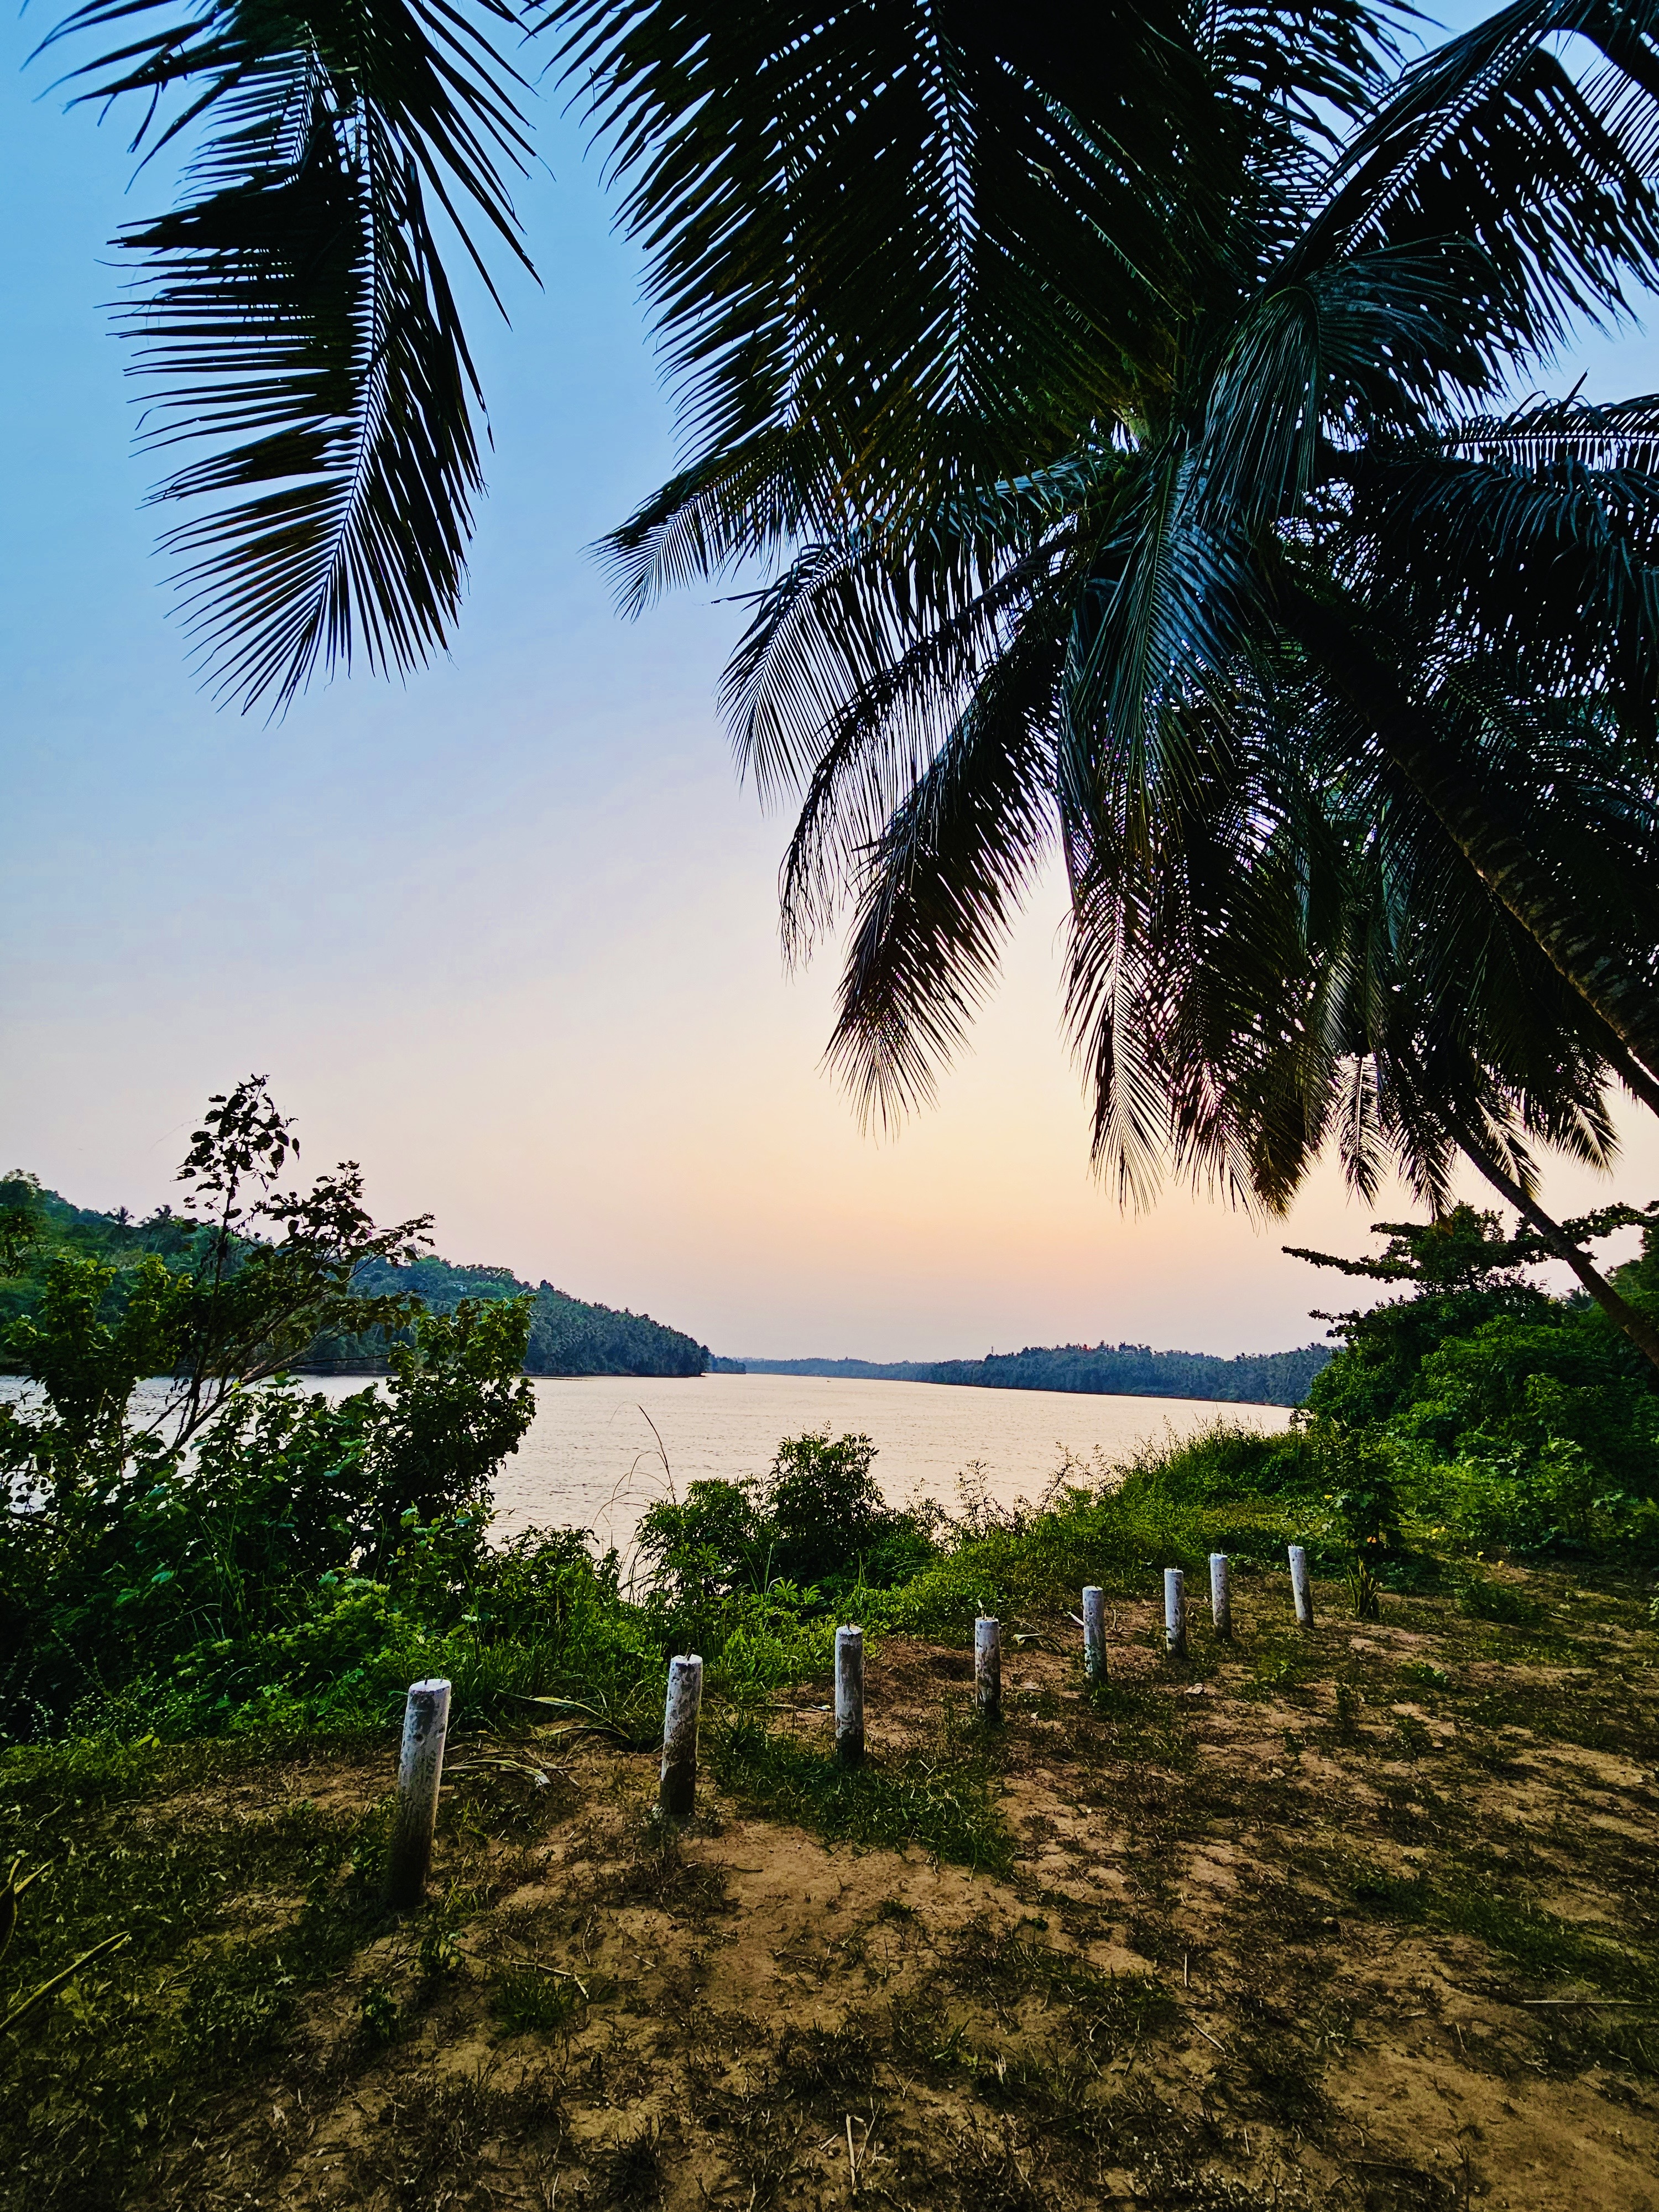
{"points": [[294, 315], [936, 237], [1543, 178], [898, 716], [941, 887]]}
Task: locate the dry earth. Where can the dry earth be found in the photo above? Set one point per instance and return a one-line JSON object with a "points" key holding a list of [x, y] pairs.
{"points": [[1361, 1919]]}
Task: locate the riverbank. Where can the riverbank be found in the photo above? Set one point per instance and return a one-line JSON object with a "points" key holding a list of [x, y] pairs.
{"points": [[1361, 1917]]}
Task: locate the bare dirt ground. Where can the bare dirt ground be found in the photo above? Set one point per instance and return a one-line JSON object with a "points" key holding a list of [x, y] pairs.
{"points": [[1362, 1918]]}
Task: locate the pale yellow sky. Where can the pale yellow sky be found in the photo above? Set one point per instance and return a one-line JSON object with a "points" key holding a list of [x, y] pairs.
{"points": [[643, 1121]]}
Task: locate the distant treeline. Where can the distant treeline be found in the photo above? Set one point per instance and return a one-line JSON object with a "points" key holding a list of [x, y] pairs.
{"points": [[1127, 1370], [567, 1336]]}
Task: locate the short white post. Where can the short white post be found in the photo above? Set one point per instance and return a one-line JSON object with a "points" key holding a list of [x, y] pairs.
{"points": [[987, 1669], [419, 1773], [677, 1798], [1094, 1633], [1301, 1588], [850, 1696], [1174, 1611], [1221, 1598]]}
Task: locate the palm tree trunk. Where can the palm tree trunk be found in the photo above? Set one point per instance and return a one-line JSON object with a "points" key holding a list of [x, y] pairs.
{"points": [[1630, 1069], [1572, 941], [1636, 1327]]}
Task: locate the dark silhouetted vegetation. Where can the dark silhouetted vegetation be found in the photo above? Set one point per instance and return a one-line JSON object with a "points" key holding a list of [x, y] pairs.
{"points": [[567, 1336]]}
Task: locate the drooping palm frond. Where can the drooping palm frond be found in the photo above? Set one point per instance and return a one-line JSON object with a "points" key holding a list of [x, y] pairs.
{"points": [[295, 316], [1536, 532], [941, 887]]}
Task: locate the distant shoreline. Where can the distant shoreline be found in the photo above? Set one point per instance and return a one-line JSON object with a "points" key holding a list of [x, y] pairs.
{"points": [[1280, 1379], [824, 1370], [1101, 1371]]}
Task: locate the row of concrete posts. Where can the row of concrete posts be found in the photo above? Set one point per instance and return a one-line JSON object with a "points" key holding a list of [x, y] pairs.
{"points": [[1174, 1608], [426, 1714]]}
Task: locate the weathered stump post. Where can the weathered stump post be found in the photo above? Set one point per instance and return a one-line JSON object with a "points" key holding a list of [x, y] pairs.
{"points": [[1221, 1598], [419, 1773], [677, 1799], [1094, 1633], [850, 1696], [1301, 1587], [987, 1669], [1175, 1612]]}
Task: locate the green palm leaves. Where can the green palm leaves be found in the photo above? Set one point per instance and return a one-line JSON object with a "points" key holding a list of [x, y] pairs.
{"points": [[1208, 558], [294, 326]]}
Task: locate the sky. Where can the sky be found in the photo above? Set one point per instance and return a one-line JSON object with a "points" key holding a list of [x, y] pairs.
{"points": [[507, 934]]}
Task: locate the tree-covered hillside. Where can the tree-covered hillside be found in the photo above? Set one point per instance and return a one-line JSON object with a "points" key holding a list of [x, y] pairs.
{"points": [[568, 1336], [1135, 1370]]}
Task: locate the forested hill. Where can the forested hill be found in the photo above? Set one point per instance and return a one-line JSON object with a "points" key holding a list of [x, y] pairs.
{"points": [[1128, 1371], [567, 1336]]}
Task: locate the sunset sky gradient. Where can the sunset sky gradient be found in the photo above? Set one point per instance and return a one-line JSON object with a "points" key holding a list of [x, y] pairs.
{"points": [[508, 935]]}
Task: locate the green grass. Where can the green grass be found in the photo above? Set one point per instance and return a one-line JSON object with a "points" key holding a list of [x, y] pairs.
{"points": [[1111, 2012], [1543, 1947], [524, 1999], [940, 1798], [1483, 1599]]}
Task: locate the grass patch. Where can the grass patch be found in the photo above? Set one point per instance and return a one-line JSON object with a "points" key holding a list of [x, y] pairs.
{"points": [[1109, 2012], [1482, 1599], [1545, 1948], [524, 2000], [938, 1797], [1145, 1726]]}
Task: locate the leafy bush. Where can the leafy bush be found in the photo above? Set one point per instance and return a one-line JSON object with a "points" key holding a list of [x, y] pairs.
{"points": [[1486, 1407], [816, 1526]]}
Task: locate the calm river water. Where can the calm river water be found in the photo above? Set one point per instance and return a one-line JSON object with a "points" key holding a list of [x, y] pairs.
{"points": [[592, 1459]]}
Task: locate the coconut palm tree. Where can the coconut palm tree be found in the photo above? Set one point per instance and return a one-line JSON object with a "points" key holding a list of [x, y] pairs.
{"points": [[1122, 393], [1051, 526]]}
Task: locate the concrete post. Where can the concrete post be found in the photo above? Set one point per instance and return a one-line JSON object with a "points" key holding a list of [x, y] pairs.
{"points": [[678, 1796], [1174, 1611], [1301, 1588], [1221, 1598], [850, 1696], [987, 1669], [419, 1773], [1094, 1633]]}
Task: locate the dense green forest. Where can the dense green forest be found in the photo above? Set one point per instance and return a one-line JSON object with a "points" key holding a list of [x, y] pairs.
{"points": [[568, 1336], [1129, 1371]]}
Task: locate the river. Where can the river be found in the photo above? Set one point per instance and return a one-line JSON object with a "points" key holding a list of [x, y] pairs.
{"points": [[591, 1458]]}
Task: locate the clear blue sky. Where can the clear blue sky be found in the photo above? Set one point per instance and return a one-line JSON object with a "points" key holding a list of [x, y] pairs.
{"points": [[507, 934]]}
